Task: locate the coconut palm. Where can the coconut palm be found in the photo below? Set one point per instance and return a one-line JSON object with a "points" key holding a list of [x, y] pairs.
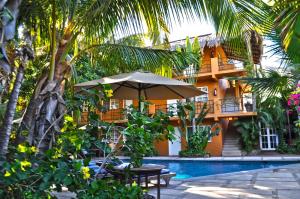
{"points": [[66, 29]]}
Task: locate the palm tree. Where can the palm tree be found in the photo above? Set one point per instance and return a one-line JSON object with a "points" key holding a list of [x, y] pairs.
{"points": [[90, 24], [9, 12]]}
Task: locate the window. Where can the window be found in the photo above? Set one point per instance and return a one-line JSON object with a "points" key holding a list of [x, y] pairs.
{"points": [[203, 97], [172, 107], [268, 138], [114, 104], [191, 130]]}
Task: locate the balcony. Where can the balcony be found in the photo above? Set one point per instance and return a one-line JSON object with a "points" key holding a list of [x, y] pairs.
{"points": [[212, 68], [229, 65], [171, 109], [209, 106], [237, 106], [218, 108], [113, 115], [193, 72], [205, 68]]}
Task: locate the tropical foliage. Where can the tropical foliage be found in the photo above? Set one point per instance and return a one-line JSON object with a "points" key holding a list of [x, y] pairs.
{"points": [[249, 131], [142, 131], [54, 44], [198, 139], [28, 174]]}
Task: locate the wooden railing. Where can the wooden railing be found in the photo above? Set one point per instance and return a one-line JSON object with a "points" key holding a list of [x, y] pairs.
{"points": [[227, 66], [228, 105]]}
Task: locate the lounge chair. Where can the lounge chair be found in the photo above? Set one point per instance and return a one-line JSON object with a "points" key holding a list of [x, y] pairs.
{"points": [[165, 175]]}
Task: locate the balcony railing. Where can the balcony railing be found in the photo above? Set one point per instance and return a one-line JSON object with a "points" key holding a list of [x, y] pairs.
{"points": [[193, 71], [227, 105], [230, 105], [205, 68], [209, 106], [229, 66], [113, 115]]}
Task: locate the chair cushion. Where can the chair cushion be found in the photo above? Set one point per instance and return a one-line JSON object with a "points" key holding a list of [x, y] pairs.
{"points": [[164, 171]]}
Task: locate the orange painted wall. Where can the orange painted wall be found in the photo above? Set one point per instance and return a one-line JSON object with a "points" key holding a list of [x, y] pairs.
{"points": [[162, 147], [211, 86], [215, 147]]}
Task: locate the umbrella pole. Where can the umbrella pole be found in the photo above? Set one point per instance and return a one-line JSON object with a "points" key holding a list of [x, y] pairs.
{"points": [[139, 93]]}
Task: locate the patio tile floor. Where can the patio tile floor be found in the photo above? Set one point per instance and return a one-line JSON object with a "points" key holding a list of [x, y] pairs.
{"points": [[274, 183]]}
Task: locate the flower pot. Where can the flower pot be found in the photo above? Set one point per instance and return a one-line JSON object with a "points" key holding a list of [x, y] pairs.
{"points": [[249, 107]]}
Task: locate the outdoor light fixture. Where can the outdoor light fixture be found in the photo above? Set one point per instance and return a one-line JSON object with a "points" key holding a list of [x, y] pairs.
{"points": [[215, 92]]}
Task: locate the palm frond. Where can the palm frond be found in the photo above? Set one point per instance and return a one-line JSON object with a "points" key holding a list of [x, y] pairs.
{"points": [[287, 21], [121, 58], [272, 83], [231, 18]]}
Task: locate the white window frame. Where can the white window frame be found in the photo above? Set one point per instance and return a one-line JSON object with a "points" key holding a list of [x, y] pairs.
{"points": [[172, 107], [114, 104], [270, 132], [203, 97]]}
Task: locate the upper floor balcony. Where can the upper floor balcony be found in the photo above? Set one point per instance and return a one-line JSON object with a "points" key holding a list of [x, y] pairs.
{"points": [[216, 109], [213, 68]]}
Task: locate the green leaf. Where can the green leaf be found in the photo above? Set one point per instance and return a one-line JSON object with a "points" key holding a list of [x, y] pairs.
{"points": [[86, 161], [67, 180]]}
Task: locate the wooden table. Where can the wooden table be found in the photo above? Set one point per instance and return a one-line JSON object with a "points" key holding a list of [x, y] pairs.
{"points": [[143, 171]]}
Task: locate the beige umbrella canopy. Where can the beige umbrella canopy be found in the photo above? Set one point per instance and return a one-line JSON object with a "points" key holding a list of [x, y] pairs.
{"points": [[144, 85]]}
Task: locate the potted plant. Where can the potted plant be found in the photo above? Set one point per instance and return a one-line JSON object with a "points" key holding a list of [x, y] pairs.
{"points": [[249, 106]]}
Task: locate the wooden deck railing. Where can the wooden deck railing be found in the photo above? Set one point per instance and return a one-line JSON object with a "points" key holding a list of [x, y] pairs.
{"points": [[228, 105]]}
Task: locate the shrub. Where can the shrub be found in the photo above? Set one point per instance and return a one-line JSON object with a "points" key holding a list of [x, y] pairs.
{"points": [[249, 134], [29, 174], [141, 132]]}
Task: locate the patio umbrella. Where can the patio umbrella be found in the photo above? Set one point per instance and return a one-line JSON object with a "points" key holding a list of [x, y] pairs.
{"points": [[146, 85]]}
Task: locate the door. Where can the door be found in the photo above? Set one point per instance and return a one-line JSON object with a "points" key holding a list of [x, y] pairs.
{"points": [[175, 145], [268, 138]]}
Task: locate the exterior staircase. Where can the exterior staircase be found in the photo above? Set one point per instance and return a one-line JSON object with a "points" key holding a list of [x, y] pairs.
{"points": [[231, 145]]}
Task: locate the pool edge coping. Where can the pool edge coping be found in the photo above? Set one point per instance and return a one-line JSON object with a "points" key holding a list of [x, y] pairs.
{"points": [[212, 177], [242, 158]]}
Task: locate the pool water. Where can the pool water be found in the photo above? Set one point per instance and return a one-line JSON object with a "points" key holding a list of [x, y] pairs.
{"points": [[192, 168]]}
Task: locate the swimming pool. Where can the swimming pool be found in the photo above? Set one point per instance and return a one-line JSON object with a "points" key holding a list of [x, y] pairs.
{"points": [[185, 169]]}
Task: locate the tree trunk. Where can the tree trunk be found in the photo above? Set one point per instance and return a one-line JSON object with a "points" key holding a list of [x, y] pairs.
{"points": [[26, 128], [10, 111], [43, 117]]}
